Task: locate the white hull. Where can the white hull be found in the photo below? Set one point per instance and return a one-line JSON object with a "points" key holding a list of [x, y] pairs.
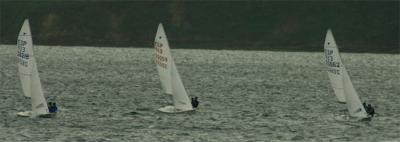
{"points": [[172, 109], [347, 118], [29, 114], [24, 114]]}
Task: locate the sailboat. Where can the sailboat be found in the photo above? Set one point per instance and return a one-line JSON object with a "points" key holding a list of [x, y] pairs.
{"points": [[171, 82], [29, 76], [340, 80]]}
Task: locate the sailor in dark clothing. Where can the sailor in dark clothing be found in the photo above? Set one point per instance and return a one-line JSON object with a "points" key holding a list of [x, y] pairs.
{"points": [[365, 105], [52, 107], [49, 106], [195, 102], [370, 110], [55, 107]]}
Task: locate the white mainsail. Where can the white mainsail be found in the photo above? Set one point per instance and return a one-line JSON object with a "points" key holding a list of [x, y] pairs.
{"points": [[169, 76], [334, 63], [24, 55], [340, 80], [28, 72], [163, 60], [353, 103]]}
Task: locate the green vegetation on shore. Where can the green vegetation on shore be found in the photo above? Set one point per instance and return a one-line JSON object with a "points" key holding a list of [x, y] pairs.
{"points": [[260, 25]]}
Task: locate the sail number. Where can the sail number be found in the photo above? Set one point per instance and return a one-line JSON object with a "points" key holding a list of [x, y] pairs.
{"points": [[160, 59], [334, 65], [23, 57]]}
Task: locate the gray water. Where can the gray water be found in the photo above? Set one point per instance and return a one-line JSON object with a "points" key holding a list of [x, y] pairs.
{"points": [[112, 94]]}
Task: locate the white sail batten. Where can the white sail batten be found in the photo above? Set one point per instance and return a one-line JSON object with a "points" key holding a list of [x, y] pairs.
{"points": [[334, 63], [169, 76]]}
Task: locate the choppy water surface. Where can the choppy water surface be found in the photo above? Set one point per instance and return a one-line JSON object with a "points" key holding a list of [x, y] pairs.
{"points": [[112, 94]]}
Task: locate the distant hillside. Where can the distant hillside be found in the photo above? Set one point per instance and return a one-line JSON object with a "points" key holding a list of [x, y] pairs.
{"points": [[261, 25]]}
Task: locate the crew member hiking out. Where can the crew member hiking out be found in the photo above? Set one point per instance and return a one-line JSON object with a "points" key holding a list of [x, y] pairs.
{"points": [[52, 107], [370, 110], [195, 102]]}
